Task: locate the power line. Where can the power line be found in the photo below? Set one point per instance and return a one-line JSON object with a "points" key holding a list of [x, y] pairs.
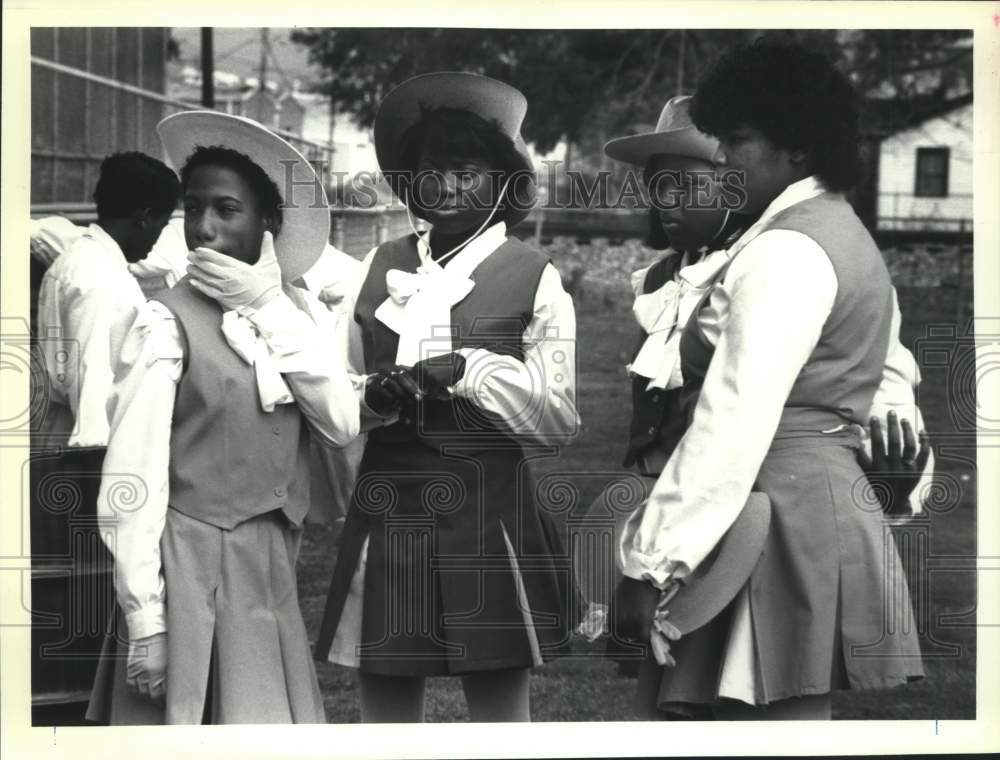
{"points": [[281, 72], [234, 50]]}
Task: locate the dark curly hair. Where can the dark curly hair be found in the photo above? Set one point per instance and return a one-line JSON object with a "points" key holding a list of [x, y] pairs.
{"points": [[132, 181], [796, 97], [463, 135], [267, 193]]}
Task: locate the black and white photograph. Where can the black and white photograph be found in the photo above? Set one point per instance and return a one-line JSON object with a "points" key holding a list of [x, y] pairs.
{"points": [[601, 369]]}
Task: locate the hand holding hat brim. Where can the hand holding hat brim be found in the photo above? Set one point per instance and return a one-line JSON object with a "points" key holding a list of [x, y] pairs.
{"points": [[721, 576]]}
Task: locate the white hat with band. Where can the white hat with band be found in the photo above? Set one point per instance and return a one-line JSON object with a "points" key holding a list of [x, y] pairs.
{"points": [[305, 210]]}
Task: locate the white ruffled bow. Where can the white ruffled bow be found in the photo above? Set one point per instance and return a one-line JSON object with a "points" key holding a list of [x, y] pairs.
{"points": [[659, 357], [663, 314], [418, 309], [243, 338]]}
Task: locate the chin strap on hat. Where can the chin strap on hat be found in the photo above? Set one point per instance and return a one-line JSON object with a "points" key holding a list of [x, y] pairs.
{"points": [[722, 227], [441, 261]]}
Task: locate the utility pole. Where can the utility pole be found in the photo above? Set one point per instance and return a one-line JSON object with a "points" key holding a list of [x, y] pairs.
{"points": [[207, 68], [333, 119], [262, 74], [680, 64]]}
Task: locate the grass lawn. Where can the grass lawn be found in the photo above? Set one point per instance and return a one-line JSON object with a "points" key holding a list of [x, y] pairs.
{"points": [[585, 687]]}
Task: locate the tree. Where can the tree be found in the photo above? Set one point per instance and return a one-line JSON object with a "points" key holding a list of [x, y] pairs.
{"points": [[586, 86], [904, 77], [575, 81]]}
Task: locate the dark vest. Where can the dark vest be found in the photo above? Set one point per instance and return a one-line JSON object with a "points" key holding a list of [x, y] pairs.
{"points": [[493, 316], [845, 368], [229, 460], [658, 421]]}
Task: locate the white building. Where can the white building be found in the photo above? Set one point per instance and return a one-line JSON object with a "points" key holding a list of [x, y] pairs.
{"points": [[925, 175], [354, 150]]}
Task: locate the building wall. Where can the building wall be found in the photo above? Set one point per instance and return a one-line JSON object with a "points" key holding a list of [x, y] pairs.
{"points": [[76, 123], [357, 232], [353, 148], [898, 168], [261, 107], [291, 115]]}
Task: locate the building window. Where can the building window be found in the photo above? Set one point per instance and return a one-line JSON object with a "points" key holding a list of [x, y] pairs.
{"points": [[932, 172]]}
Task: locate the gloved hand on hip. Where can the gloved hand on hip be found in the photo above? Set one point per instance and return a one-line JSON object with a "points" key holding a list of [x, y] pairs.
{"points": [[146, 667], [237, 286]]}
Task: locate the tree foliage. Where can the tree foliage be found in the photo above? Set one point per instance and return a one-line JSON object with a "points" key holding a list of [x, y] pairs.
{"points": [[585, 86], [575, 81]]}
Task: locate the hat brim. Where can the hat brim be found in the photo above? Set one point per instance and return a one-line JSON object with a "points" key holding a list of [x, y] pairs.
{"points": [[305, 226], [488, 98], [637, 149], [721, 576]]}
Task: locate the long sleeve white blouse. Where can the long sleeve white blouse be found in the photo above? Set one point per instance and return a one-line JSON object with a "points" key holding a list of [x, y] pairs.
{"points": [[544, 383], [765, 319], [141, 410], [86, 301], [664, 312]]}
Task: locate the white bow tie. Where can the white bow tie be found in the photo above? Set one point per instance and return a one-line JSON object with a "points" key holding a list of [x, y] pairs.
{"points": [[418, 309], [243, 338], [659, 357], [657, 311], [429, 279], [663, 314]]}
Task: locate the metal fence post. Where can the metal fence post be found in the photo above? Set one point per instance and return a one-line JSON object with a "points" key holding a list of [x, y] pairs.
{"points": [[337, 232], [381, 228]]}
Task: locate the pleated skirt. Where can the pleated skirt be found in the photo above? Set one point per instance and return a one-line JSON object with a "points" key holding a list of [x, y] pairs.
{"points": [[829, 603], [237, 645], [447, 566]]}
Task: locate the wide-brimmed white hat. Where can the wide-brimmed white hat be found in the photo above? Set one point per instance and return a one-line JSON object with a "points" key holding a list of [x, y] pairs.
{"points": [[305, 224], [675, 134], [488, 98]]}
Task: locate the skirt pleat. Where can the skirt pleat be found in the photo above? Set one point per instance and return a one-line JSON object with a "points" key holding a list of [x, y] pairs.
{"points": [[828, 598], [458, 569], [232, 612]]}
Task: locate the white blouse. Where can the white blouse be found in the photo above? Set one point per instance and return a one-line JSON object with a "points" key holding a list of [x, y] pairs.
{"points": [[663, 313], [335, 280], [536, 397], [695, 500], [141, 408], [777, 273], [168, 257], [86, 302], [545, 382]]}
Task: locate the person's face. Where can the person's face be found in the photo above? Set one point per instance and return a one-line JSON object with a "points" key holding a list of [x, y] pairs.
{"points": [[455, 195], [221, 212], [685, 193], [763, 168], [148, 226]]}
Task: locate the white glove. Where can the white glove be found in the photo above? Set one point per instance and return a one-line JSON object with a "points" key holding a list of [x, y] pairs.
{"points": [[663, 632], [660, 637], [332, 295], [237, 286], [594, 623], [146, 668]]}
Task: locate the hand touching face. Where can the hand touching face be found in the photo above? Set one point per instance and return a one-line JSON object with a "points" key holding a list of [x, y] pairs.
{"points": [[222, 212]]}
